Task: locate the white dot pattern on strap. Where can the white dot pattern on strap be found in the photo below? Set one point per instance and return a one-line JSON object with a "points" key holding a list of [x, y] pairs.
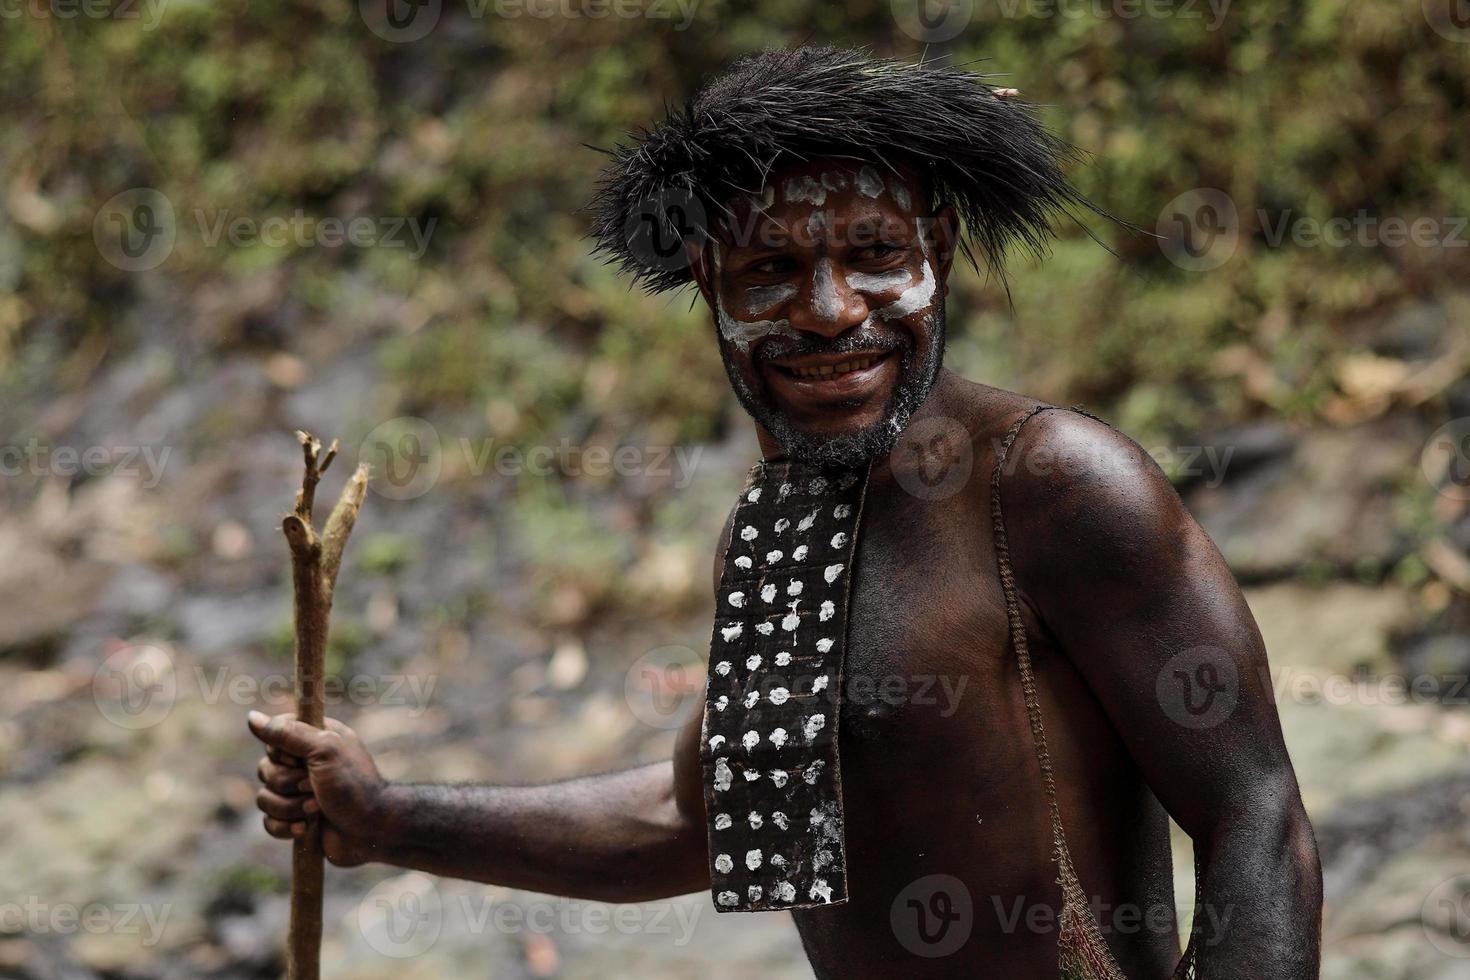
{"points": [[779, 713]]}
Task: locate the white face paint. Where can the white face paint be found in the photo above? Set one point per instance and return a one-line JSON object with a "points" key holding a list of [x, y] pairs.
{"points": [[915, 298], [834, 180], [742, 333], [869, 184], [900, 193], [806, 189], [758, 299], [817, 224], [826, 304], [881, 282], [765, 200]]}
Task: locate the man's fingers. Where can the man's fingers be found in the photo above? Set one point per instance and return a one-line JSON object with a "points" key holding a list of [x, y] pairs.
{"points": [[280, 807], [281, 758], [285, 780], [284, 732], [284, 829]]}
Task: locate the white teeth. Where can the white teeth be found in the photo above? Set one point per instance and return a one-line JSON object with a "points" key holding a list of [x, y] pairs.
{"points": [[828, 370]]}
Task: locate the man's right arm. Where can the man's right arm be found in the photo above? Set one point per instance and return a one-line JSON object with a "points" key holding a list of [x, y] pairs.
{"points": [[622, 837], [627, 836]]}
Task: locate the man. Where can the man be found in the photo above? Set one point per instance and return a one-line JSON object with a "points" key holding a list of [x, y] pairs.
{"points": [[1104, 671]]}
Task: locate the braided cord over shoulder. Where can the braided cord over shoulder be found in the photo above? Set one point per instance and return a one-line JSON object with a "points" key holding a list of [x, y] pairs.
{"points": [[1082, 952]]}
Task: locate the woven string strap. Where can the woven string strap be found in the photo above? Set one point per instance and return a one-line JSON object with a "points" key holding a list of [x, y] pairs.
{"points": [[1082, 952]]}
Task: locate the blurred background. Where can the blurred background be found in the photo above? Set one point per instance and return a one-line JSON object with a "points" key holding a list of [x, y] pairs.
{"points": [[221, 222]]}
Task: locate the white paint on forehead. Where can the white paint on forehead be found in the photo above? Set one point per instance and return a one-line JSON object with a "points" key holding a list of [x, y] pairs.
{"points": [[834, 180], [826, 304], [805, 189], [765, 200], [869, 184]]}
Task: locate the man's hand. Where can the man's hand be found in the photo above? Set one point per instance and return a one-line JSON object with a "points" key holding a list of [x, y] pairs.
{"points": [[310, 770]]}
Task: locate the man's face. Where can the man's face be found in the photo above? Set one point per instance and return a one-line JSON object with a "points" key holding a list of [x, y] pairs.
{"points": [[828, 294]]}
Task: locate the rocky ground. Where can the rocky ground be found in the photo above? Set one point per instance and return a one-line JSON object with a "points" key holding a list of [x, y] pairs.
{"points": [[146, 611]]}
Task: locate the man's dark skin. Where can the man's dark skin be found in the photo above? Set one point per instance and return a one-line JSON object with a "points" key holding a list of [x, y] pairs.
{"points": [[1115, 579]]}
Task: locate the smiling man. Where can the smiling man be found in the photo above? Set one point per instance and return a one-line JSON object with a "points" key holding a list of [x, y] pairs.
{"points": [[970, 654]]}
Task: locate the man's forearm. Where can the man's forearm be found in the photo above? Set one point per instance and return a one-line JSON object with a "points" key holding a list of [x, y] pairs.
{"points": [[618, 837], [1261, 912]]}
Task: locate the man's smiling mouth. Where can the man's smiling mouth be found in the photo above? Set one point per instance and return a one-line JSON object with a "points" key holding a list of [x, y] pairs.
{"points": [[828, 366], [827, 370]]}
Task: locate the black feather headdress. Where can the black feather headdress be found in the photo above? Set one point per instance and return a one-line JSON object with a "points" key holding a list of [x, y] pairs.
{"points": [[985, 153]]}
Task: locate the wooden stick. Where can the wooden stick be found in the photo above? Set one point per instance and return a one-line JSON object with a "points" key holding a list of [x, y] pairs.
{"points": [[315, 561]]}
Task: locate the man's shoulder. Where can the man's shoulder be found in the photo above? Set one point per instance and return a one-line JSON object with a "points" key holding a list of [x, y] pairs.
{"points": [[989, 414], [1074, 486]]}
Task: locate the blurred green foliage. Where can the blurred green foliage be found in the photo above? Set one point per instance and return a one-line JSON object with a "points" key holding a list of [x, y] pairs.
{"points": [[1310, 110]]}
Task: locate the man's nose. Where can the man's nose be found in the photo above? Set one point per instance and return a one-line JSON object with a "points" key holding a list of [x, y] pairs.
{"points": [[827, 305]]}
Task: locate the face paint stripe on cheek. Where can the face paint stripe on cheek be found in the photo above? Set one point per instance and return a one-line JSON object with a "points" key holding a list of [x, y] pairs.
{"points": [[916, 297], [758, 299], [741, 334], [881, 282]]}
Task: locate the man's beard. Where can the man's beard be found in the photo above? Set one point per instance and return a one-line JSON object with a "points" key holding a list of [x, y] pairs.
{"points": [[916, 379]]}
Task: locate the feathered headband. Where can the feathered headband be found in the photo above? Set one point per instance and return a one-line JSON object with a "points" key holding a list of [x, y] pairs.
{"points": [[980, 148]]}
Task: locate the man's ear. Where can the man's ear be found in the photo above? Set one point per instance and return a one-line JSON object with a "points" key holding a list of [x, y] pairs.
{"points": [[702, 255], [946, 241]]}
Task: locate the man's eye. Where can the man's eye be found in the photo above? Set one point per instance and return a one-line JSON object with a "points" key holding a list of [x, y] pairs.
{"points": [[880, 251], [775, 266]]}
